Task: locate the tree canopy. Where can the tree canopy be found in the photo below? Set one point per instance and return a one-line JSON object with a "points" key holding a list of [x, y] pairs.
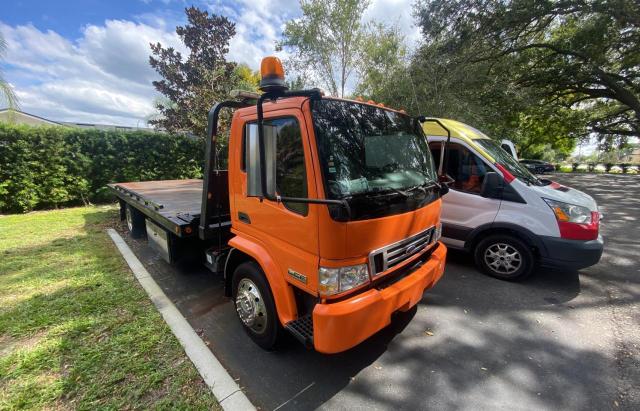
{"points": [[193, 84], [575, 54], [7, 94], [325, 42]]}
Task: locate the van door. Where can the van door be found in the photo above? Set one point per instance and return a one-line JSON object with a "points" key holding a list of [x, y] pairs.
{"points": [[463, 208]]}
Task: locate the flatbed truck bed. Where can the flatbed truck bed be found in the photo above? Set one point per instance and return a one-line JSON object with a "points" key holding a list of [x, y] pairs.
{"points": [[172, 204]]}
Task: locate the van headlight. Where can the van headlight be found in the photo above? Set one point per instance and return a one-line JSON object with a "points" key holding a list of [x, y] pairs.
{"points": [[569, 213], [338, 280]]}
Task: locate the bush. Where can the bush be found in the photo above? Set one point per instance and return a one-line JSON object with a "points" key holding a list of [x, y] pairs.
{"points": [[46, 167]]}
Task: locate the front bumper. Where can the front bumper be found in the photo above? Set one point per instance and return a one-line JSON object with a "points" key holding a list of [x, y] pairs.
{"points": [[342, 325], [571, 254]]}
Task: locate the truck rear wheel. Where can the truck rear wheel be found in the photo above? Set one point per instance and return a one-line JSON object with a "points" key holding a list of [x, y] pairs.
{"points": [[255, 305], [135, 222], [504, 257]]}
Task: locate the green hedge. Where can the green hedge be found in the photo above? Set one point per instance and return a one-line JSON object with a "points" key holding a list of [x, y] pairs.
{"points": [[46, 167]]}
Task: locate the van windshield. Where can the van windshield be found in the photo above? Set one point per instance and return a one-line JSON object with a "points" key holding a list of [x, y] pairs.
{"points": [[372, 153], [507, 161]]}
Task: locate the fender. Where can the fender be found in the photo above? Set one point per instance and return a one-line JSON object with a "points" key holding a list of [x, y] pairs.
{"points": [[532, 238], [282, 292]]}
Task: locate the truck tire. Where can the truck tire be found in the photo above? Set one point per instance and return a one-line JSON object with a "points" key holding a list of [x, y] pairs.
{"points": [[504, 257], [255, 305], [135, 222]]}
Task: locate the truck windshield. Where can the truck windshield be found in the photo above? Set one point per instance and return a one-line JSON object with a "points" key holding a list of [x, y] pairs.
{"points": [[373, 153], [507, 161]]}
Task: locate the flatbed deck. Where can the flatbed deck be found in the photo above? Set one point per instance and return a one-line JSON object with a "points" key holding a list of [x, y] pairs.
{"points": [[174, 204], [169, 197]]}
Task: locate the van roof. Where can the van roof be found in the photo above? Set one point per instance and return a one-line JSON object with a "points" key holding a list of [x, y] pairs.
{"points": [[460, 131]]}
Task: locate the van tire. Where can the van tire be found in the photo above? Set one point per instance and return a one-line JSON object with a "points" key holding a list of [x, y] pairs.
{"points": [[135, 222], [256, 305], [499, 254]]}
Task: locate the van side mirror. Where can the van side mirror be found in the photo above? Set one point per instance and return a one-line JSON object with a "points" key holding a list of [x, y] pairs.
{"points": [[252, 161], [444, 189], [492, 185]]}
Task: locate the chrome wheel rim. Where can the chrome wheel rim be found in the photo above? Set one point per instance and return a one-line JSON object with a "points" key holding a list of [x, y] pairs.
{"points": [[503, 258], [250, 306], [129, 219]]}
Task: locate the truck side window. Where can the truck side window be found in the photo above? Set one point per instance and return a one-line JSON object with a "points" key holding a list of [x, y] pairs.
{"points": [[291, 174], [466, 168]]}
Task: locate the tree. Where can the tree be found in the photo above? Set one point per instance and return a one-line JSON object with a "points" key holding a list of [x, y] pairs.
{"points": [[6, 92], [193, 84], [578, 53], [325, 41], [382, 54], [247, 79]]}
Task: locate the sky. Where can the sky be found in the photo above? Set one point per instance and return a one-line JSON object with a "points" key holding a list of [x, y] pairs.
{"points": [[88, 60]]}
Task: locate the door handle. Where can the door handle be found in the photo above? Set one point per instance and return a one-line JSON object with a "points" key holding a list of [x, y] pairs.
{"points": [[244, 217]]}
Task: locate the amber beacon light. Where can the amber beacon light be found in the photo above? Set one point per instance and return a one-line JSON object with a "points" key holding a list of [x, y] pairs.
{"points": [[271, 74]]}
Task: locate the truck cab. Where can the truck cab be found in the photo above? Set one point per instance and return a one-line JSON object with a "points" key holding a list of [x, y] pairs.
{"points": [[332, 217]]}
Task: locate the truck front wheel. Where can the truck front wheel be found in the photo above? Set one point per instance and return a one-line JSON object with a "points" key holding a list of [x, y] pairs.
{"points": [[504, 257], [135, 222], [255, 305]]}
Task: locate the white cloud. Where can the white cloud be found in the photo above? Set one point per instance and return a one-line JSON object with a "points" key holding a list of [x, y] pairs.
{"points": [[102, 77], [259, 25], [395, 12]]}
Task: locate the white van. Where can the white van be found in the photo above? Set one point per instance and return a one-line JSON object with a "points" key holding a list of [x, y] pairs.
{"points": [[508, 218]]}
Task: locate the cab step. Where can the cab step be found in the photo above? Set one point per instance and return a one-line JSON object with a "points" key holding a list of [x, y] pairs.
{"points": [[302, 329]]}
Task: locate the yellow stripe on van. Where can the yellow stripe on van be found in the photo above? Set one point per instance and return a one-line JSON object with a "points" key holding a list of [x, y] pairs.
{"points": [[460, 131]]}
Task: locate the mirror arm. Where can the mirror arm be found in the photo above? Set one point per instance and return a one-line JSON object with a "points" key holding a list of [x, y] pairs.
{"points": [[261, 149], [445, 161], [212, 127]]}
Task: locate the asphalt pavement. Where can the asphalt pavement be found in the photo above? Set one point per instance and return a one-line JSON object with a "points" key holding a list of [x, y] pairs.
{"points": [[559, 340]]}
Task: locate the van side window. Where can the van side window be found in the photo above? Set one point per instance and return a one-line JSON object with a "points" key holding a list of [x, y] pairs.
{"points": [[466, 168], [291, 174]]}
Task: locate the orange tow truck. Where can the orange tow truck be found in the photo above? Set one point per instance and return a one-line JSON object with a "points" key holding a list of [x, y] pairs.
{"points": [[325, 223]]}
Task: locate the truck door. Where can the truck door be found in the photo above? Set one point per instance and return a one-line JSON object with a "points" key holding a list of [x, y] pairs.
{"points": [[288, 230], [463, 208]]}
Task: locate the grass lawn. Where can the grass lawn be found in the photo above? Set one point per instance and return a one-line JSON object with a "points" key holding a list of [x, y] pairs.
{"points": [[76, 329]]}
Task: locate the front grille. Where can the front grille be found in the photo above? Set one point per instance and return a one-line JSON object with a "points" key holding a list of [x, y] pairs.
{"points": [[388, 257]]}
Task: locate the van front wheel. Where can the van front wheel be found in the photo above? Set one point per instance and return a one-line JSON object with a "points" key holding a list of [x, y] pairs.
{"points": [[504, 257]]}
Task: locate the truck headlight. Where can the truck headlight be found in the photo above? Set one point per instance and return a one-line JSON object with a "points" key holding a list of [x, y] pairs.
{"points": [[437, 233], [569, 213], [338, 280]]}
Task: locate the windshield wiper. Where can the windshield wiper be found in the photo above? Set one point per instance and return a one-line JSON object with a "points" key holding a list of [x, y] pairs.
{"points": [[396, 190], [427, 185], [378, 191]]}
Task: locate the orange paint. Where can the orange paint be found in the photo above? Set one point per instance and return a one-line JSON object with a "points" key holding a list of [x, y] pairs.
{"points": [[345, 324], [281, 240]]}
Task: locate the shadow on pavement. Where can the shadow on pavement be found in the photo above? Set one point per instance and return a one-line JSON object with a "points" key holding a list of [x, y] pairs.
{"points": [[559, 340]]}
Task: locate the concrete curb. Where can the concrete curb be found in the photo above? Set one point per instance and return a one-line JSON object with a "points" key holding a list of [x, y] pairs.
{"points": [[223, 387]]}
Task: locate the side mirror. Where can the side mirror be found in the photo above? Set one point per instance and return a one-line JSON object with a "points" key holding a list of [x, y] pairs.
{"points": [[444, 189], [252, 161], [492, 185]]}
